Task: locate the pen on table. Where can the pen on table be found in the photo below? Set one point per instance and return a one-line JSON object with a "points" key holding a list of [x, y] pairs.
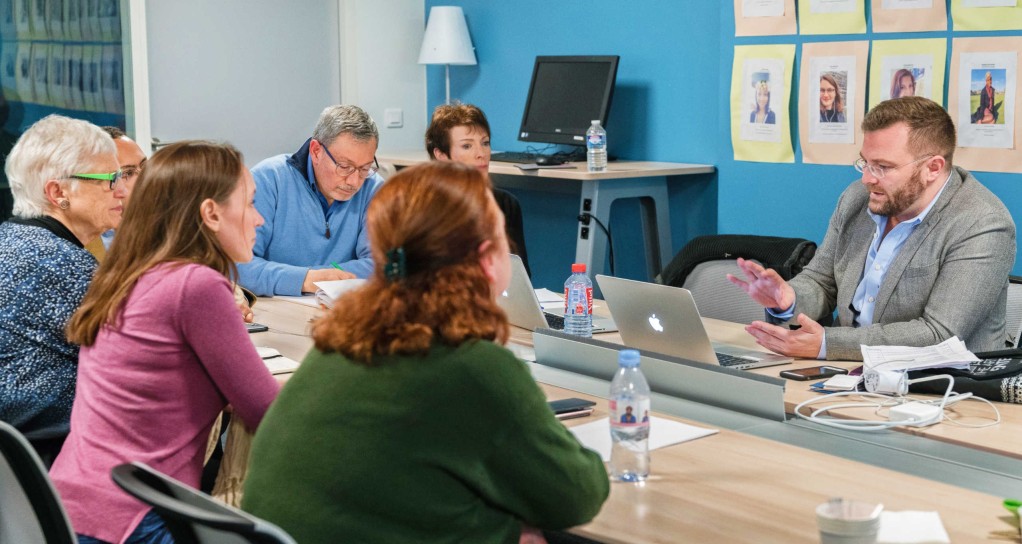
{"points": [[337, 266]]}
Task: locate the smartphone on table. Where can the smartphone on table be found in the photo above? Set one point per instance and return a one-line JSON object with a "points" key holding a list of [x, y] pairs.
{"points": [[571, 408], [813, 373]]}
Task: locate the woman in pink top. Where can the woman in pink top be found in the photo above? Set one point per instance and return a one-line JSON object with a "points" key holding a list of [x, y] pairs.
{"points": [[163, 348]]}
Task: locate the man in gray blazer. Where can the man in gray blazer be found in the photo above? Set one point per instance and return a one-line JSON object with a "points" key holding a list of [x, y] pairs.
{"points": [[917, 251]]}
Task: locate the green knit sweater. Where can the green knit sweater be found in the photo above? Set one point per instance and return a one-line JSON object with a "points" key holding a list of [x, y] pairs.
{"points": [[455, 446]]}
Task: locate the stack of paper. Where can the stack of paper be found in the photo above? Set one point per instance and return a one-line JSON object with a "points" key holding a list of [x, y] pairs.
{"points": [[951, 353], [328, 291]]}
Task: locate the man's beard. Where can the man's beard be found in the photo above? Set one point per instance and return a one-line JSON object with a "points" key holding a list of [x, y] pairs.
{"points": [[901, 199]]}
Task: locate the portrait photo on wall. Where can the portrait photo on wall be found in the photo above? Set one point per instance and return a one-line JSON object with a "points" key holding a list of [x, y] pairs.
{"points": [[833, 97], [906, 75], [986, 96], [829, 105], [764, 85], [986, 100]]}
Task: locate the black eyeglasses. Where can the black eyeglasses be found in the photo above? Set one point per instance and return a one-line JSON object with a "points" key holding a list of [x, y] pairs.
{"points": [[112, 178], [345, 170]]}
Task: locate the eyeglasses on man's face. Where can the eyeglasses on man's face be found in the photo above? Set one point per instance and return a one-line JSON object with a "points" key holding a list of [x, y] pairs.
{"points": [[111, 179], [130, 172], [879, 172], [345, 170]]}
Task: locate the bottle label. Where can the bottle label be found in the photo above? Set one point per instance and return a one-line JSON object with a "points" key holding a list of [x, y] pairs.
{"points": [[595, 140], [629, 413], [574, 303]]}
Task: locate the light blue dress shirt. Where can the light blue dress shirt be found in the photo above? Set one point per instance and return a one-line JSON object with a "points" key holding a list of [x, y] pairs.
{"points": [[882, 252]]}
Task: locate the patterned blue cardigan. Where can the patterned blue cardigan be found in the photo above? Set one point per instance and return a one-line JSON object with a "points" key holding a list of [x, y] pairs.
{"points": [[44, 273]]}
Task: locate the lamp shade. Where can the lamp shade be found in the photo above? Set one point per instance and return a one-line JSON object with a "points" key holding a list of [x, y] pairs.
{"points": [[447, 40]]}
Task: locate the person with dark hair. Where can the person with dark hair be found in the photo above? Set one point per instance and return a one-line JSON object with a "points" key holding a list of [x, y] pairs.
{"points": [[67, 190], [461, 133], [163, 351], [832, 105], [409, 421], [903, 84], [131, 160], [314, 203], [987, 112], [917, 251]]}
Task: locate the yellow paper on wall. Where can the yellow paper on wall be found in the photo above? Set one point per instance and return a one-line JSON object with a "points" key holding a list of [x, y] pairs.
{"points": [[831, 17], [760, 91], [974, 15], [907, 67]]}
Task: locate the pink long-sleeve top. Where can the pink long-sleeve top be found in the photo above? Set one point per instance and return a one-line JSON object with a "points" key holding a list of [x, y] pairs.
{"points": [[150, 388]]}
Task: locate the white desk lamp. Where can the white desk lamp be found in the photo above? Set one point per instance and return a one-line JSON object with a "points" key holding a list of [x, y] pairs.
{"points": [[447, 41]]}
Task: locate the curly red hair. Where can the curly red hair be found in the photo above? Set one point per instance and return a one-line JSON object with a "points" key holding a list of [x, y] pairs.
{"points": [[439, 213]]}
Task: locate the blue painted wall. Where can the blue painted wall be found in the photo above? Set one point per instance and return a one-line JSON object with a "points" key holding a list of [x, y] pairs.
{"points": [[671, 104]]}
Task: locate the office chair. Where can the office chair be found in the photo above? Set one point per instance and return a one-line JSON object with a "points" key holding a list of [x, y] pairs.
{"points": [[514, 225], [30, 510], [191, 516], [1013, 318], [703, 264]]}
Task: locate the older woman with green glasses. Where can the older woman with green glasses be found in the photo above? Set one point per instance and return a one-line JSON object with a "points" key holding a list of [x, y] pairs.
{"points": [[66, 185]]}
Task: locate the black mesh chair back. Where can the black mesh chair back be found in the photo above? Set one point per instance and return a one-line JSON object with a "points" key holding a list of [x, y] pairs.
{"points": [[30, 510], [192, 516]]}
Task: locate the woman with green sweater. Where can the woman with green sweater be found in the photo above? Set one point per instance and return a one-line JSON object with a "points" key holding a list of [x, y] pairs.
{"points": [[409, 422]]}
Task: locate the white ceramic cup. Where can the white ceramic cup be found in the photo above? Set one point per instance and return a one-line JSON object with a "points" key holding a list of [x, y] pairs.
{"points": [[843, 521]]}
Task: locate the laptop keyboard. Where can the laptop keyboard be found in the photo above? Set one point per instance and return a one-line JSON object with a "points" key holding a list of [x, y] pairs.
{"points": [[732, 361], [519, 157], [555, 322]]}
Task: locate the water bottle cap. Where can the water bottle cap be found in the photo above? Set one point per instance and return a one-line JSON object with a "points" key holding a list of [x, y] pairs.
{"points": [[628, 358], [578, 268], [595, 121]]}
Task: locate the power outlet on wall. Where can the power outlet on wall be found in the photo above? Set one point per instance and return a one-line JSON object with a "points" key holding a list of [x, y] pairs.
{"points": [[393, 117]]}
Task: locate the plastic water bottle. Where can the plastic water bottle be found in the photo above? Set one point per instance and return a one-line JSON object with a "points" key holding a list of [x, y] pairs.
{"points": [[629, 420], [578, 302], [596, 147]]}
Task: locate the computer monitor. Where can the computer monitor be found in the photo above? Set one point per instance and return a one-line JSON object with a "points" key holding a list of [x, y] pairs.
{"points": [[566, 94]]}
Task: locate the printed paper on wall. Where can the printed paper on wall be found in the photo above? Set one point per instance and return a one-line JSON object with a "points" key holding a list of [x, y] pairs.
{"points": [[760, 90], [831, 101], [907, 67], [909, 15], [765, 17], [987, 125], [832, 17]]}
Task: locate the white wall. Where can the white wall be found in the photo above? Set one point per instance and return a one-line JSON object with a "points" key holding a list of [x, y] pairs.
{"points": [[255, 73], [379, 69]]}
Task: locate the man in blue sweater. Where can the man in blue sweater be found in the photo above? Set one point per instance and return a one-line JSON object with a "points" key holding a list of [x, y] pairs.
{"points": [[314, 206]]}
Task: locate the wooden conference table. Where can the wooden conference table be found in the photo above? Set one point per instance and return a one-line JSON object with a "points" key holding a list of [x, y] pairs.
{"points": [[726, 487], [645, 180]]}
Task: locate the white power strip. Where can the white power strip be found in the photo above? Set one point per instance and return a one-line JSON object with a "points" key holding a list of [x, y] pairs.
{"points": [[917, 413]]}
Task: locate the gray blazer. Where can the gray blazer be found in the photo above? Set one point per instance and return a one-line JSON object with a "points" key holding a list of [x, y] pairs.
{"points": [[949, 279]]}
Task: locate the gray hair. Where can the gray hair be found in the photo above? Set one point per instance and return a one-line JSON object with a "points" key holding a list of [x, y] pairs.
{"points": [[345, 119], [52, 148]]}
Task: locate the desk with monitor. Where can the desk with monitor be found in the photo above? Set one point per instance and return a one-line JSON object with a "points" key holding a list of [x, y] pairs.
{"points": [[757, 479], [644, 180]]}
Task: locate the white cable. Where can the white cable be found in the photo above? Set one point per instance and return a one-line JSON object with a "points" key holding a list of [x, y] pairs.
{"points": [[861, 425]]}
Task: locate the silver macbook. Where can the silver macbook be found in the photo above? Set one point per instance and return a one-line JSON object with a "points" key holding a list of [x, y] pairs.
{"points": [[665, 319], [523, 309]]}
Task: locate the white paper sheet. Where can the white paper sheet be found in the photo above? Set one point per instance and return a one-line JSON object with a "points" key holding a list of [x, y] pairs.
{"points": [[762, 8], [662, 433], [973, 68]]}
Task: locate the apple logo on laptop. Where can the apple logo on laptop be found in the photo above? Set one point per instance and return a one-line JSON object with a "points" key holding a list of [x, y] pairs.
{"points": [[654, 322], [504, 293]]}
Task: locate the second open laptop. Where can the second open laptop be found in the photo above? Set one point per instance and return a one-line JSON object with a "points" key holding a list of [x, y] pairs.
{"points": [[665, 319], [523, 309]]}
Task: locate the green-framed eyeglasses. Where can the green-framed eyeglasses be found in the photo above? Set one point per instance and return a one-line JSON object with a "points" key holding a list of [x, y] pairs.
{"points": [[112, 178]]}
